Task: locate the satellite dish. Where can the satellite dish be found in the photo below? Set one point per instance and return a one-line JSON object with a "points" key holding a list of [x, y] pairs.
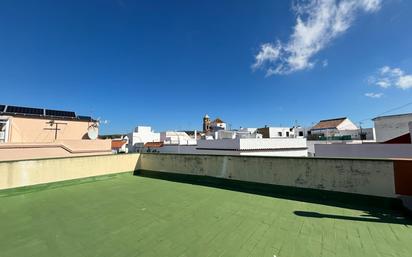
{"points": [[92, 132]]}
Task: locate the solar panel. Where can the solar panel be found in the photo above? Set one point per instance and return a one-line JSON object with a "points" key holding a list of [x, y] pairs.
{"points": [[24, 110], [87, 118], [2, 107], [60, 113]]}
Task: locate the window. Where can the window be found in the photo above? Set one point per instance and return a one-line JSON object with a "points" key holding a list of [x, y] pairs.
{"points": [[287, 133], [301, 133], [280, 133], [3, 131]]}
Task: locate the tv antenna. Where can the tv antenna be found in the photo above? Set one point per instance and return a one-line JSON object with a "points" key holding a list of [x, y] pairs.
{"points": [[102, 121], [56, 127]]}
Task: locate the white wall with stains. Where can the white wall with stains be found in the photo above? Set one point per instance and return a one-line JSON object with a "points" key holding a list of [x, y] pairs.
{"points": [[367, 177]]}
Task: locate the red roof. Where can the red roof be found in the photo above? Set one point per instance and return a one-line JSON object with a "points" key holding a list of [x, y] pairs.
{"points": [[218, 120], [329, 124], [118, 143], [153, 144]]}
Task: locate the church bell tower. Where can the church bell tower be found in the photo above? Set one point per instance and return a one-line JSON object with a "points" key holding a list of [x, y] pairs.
{"points": [[206, 123]]}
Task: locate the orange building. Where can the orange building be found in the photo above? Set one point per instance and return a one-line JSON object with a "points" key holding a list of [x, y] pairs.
{"points": [[27, 133]]}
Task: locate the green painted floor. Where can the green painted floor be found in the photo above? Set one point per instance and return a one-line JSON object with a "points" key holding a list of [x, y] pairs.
{"points": [[127, 215]]}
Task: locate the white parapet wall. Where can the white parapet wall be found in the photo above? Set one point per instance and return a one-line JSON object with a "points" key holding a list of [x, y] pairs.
{"points": [[373, 177], [39, 171], [367, 177], [364, 150], [254, 147]]}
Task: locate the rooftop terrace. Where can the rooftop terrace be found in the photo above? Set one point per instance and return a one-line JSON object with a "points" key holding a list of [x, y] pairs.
{"points": [[126, 215]]}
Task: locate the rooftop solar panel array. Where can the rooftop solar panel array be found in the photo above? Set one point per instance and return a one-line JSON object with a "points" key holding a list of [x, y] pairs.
{"points": [[24, 110], [87, 118], [60, 113], [19, 110]]}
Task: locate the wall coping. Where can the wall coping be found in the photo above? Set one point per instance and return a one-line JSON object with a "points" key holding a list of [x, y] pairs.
{"points": [[65, 157], [282, 157]]}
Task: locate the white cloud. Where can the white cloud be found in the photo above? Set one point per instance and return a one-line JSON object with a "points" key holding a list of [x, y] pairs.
{"points": [[386, 70], [374, 95], [391, 77], [384, 83], [268, 52], [317, 23], [404, 82]]}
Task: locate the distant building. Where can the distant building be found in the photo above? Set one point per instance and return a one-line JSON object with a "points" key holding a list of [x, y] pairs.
{"points": [[120, 145], [213, 126], [152, 147], [176, 138], [218, 124], [392, 127], [393, 136], [254, 147], [206, 124], [145, 140], [27, 132], [140, 136], [245, 141], [281, 132], [242, 146], [192, 133], [338, 127], [170, 141], [223, 142]]}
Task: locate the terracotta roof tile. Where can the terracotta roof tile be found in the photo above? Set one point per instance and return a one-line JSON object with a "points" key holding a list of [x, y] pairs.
{"points": [[153, 144], [218, 120], [329, 124], [118, 143]]}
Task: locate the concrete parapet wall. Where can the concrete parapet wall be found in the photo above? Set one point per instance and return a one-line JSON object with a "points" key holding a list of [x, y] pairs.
{"points": [[367, 177], [364, 150], [59, 148], [373, 177], [39, 171]]}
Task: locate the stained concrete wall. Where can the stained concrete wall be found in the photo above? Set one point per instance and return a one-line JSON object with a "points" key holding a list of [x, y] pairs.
{"points": [[368, 177], [32, 172]]}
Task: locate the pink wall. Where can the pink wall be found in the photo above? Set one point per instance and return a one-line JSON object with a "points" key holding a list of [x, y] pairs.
{"points": [[62, 148], [30, 130]]}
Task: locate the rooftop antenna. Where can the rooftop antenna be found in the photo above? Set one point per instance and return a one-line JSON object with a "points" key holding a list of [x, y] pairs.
{"points": [[361, 134], [101, 121], [295, 130], [56, 128]]}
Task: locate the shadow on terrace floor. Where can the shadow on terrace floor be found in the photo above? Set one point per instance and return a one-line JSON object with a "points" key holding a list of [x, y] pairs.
{"points": [[373, 216], [379, 209]]}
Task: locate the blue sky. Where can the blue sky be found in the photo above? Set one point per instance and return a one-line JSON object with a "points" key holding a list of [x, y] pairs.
{"points": [[167, 63]]}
